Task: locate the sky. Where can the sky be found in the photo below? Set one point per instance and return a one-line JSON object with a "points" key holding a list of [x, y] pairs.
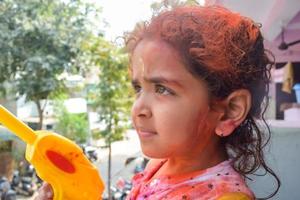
{"points": [[122, 15]]}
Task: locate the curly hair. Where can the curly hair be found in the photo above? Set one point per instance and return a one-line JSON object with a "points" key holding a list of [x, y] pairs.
{"points": [[225, 50]]}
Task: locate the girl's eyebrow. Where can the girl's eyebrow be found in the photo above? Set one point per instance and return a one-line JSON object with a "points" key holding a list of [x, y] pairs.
{"points": [[158, 80], [134, 82]]}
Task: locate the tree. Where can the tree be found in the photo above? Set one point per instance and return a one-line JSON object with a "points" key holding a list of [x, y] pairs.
{"points": [[40, 40], [71, 125], [111, 97], [157, 7]]}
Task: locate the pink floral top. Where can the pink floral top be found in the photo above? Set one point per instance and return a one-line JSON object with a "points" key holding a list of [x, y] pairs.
{"points": [[208, 184]]}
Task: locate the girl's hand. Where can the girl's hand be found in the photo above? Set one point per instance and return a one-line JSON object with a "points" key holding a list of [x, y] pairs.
{"points": [[45, 192]]}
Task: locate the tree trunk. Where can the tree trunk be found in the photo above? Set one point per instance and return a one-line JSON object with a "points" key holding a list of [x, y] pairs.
{"points": [[109, 171], [41, 114], [109, 161]]}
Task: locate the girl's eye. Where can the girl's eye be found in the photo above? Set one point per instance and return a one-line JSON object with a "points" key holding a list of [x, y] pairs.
{"points": [[137, 88], [160, 89]]}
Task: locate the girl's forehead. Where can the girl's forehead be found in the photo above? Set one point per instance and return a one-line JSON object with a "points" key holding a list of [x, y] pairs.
{"points": [[151, 54], [153, 60], [151, 57]]}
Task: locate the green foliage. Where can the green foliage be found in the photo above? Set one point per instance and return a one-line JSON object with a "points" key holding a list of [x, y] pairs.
{"points": [[111, 97], [160, 6], [5, 146], [39, 40], [18, 151], [70, 125]]}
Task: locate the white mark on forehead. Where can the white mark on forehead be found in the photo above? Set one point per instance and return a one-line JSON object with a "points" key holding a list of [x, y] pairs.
{"points": [[142, 65]]}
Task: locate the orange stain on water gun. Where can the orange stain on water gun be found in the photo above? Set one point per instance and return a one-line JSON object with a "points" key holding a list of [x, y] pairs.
{"points": [[58, 161]]}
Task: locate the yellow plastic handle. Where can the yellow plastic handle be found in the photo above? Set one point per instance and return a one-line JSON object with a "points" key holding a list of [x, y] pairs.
{"points": [[58, 161], [16, 126]]}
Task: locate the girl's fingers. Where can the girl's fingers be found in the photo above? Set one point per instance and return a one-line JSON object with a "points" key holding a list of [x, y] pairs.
{"points": [[45, 192]]}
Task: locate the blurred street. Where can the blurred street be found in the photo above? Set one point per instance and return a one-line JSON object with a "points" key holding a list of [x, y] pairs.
{"points": [[121, 150]]}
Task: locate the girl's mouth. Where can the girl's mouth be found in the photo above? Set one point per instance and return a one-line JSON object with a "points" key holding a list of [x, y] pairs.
{"points": [[145, 133]]}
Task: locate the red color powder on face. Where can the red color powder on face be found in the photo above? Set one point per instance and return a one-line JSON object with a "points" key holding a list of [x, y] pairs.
{"points": [[60, 161]]}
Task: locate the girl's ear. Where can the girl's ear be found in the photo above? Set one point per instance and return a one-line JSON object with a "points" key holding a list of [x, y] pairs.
{"points": [[235, 109]]}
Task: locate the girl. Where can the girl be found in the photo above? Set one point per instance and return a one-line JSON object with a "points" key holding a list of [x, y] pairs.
{"points": [[200, 75]]}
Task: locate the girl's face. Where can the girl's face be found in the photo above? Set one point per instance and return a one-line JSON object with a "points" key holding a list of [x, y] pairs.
{"points": [[171, 112]]}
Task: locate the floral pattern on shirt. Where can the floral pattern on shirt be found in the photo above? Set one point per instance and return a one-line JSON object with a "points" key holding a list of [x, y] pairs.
{"points": [[208, 184]]}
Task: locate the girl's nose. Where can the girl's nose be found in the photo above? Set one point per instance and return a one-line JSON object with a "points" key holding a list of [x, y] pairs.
{"points": [[141, 107]]}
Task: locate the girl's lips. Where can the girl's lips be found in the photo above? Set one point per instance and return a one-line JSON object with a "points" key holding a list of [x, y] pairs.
{"points": [[145, 133]]}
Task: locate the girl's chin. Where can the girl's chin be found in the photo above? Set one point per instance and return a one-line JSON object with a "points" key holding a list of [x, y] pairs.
{"points": [[153, 153]]}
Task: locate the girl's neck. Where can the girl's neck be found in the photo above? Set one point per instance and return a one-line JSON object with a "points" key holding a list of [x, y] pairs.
{"points": [[186, 165], [211, 156]]}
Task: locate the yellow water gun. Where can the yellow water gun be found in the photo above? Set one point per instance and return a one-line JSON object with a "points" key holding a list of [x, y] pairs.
{"points": [[58, 161]]}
